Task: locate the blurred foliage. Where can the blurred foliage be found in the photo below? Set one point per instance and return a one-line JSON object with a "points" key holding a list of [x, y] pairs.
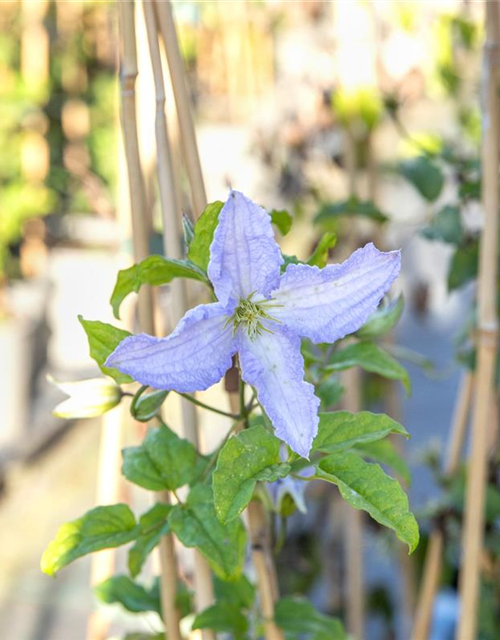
{"points": [[446, 513], [362, 108], [78, 69]]}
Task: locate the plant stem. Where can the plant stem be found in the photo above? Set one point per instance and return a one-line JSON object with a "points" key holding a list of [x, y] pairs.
{"points": [[243, 409], [198, 403]]}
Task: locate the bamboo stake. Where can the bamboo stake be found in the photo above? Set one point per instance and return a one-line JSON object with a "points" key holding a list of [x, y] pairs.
{"points": [[102, 565], [353, 532], [434, 556], [137, 190], [473, 532], [266, 577], [140, 226], [169, 199], [259, 538], [393, 407], [182, 101], [459, 425], [262, 560]]}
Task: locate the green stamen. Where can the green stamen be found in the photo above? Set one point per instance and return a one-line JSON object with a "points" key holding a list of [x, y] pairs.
{"points": [[250, 314]]}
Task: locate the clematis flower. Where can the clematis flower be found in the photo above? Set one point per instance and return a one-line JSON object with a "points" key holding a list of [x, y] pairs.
{"points": [[262, 315], [290, 486]]}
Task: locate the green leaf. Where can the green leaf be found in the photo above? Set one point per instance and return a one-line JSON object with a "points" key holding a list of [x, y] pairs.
{"points": [[223, 617], [384, 452], [252, 455], [188, 229], [204, 229], [282, 220], [424, 175], [131, 595], [196, 525], [240, 591], [289, 260], [464, 266], [153, 525], [154, 270], [350, 207], [366, 486], [319, 257], [103, 339], [100, 528], [145, 406], [298, 616], [163, 461], [330, 392], [446, 226], [342, 430], [382, 320], [369, 357]]}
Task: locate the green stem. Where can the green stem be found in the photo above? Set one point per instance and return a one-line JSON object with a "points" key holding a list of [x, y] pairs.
{"points": [[244, 411], [208, 407], [176, 496]]}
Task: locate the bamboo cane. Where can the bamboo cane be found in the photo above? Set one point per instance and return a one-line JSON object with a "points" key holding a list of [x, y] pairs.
{"points": [[137, 191], [262, 560], [169, 199], [264, 566], [473, 532], [434, 555], [353, 531], [140, 226], [259, 539], [393, 405], [188, 136], [355, 613], [102, 565]]}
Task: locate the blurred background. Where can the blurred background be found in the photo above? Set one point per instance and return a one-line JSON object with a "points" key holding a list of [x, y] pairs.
{"points": [[347, 114]]}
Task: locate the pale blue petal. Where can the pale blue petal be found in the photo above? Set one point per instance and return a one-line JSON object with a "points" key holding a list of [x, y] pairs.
{"points": [[292, 487], [244, 257], [327, 304], [192, 358], [273, 364]]}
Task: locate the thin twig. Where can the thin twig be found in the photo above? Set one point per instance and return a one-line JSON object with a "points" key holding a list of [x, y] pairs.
{"points": [[198, 403]]}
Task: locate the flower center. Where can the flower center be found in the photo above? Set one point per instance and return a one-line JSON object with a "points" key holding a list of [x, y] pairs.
{"points": [[249, 314]]}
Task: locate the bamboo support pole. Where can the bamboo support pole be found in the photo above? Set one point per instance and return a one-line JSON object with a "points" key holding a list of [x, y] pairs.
{"points": [[434, 556], [259, 539], [102, 565], [183, 104], [137, 190], [169, 200], [140, 227], [355, 613], [392, 401], [264, 566], [487, 338], [262, 560], [353, 531]]}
